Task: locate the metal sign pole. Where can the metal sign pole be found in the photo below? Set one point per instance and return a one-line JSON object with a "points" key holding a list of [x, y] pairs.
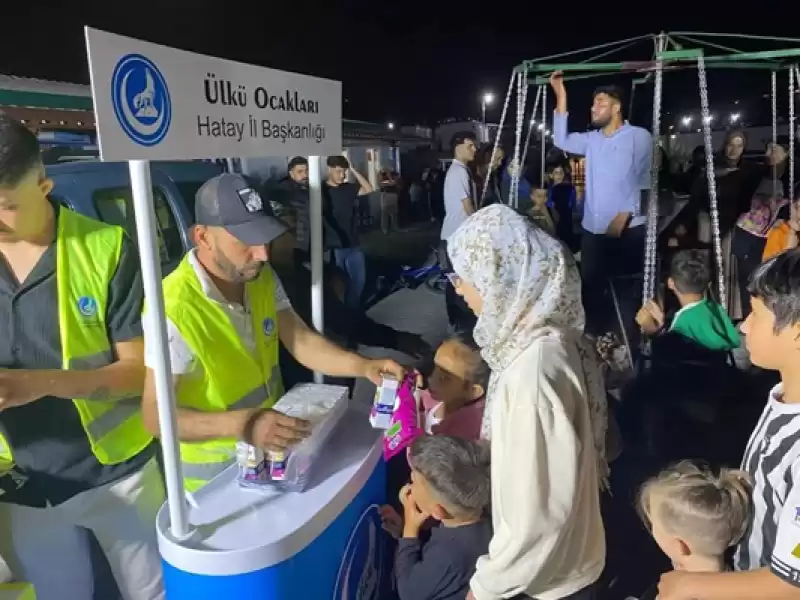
{"points": [[315, 218], [142, 188]]}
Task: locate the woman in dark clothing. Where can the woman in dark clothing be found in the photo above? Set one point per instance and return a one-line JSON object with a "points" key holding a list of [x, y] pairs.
{"points": [[666, 180], [435, 185], [778, 155], [737, 180], [686, 180]]}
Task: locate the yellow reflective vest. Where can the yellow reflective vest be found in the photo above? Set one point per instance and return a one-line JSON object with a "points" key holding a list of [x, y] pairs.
{"points": [[231, 376], [17, 591], [87, 256]]}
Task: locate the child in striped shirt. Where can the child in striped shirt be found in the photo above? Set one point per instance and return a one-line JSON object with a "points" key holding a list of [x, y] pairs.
{"points": [[768, 557]]}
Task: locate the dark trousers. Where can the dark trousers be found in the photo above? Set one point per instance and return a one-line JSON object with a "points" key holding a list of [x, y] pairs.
{"points": [[587, 593], [353, 262], [602, 258], [458, 313]]}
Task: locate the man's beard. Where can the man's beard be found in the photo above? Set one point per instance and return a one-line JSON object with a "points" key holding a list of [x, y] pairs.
{"points": [[243, 274], [601, 122]]}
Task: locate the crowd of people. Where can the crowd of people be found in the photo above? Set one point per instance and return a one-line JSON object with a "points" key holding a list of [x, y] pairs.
{"points": [[516, 291], [501, 498]]}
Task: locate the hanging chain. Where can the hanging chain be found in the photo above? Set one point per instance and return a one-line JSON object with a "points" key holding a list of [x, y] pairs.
{"points": [[797, 75], [543, 136], [712, 182], [774, 80], [651, 241], [498, 134], [512, 200], [522, 97], [791, 134], [532, 123]]}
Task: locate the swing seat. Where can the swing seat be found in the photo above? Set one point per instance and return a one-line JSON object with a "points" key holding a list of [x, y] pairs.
{"points": [[677, 399]]}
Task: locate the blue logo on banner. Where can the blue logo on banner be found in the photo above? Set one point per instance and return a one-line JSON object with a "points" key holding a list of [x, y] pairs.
{"points": [[87, 306], [141, 100], [269, 326], [360, 572]]}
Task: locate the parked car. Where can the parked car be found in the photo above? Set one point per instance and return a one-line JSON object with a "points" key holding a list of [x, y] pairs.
{"points": [[102, 190]]}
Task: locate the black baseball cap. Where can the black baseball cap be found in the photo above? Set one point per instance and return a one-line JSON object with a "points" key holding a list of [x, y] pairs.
{"points": [[230, 201]]}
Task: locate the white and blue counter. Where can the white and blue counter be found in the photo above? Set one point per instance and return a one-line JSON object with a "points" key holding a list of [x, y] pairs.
{"points": [[325, 543]]}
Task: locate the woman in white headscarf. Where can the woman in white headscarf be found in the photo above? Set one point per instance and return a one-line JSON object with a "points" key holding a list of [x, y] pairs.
{"points": [[545, 412]]}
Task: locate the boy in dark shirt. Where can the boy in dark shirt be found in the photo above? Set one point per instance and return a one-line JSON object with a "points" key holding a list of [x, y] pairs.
{"points": [[450, 484], [563, 198], [541, 213]]}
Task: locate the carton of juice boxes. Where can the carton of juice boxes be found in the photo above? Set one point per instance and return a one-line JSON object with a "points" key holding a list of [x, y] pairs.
{"points": [[323, 406]]}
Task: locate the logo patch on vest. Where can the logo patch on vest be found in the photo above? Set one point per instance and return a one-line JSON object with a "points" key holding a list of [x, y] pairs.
{"points": [[268, 326], [87, 306]]}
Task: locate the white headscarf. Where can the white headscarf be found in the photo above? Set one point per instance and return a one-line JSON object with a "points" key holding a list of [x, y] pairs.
{"points": [[530, 287]]}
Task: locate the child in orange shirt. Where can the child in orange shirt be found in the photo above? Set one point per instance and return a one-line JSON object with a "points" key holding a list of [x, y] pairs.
{"points": [[785, 234]]}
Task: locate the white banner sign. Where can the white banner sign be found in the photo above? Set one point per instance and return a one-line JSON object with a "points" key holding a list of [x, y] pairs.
{"points": [[152, 102]]}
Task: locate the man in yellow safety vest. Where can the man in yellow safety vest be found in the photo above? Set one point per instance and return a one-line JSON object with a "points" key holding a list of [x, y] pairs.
{"points": [[226, 314], [75, 456]]}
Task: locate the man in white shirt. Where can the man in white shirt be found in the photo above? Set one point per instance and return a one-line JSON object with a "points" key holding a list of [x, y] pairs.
{"points": [[459, 196], [226, 312], [459, 204]]}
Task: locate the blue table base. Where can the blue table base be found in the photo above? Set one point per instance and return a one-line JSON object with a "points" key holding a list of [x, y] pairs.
{"points": [[350, 560]]}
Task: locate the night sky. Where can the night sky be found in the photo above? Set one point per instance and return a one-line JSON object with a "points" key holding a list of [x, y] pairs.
{"points": [[405, 61]]}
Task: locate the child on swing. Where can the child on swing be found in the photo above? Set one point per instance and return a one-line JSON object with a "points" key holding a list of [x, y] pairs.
{"points": [[785, 234], [700, 318]]}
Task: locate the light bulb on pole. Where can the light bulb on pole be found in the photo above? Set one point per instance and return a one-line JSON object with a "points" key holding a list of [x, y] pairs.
{"points": [[486, 100]]}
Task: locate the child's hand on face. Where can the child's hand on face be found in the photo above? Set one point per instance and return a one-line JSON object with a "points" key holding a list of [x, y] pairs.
{"points": [[413, 517], [391, 521]]}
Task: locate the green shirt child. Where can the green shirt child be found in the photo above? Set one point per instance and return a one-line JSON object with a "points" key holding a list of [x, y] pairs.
{"points": [[707, 323], [700, 319]]}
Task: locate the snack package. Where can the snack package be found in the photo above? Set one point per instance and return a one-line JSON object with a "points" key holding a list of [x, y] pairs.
{"points": [[380, 416], [322, 405], [405, 426]]}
